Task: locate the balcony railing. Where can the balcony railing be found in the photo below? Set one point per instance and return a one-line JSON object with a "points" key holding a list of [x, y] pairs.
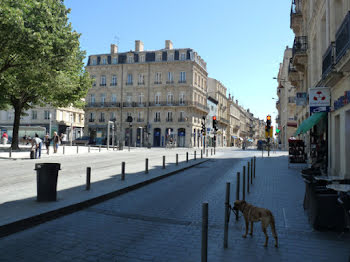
{"points": [[182, 119], [157, 82], [182, 81], [91, 120], [103, 84], [328, 60], [140, 120], [170, 82], [157, 120], [169, 120], [103, 104], [129, 104], [296, 7], [140, 83], [113, 84], [129, 83], [342, 38], [101, 120], [291, 67], [300, 45]]}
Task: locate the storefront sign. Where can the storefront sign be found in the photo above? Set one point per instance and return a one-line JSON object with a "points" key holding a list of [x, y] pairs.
{"points": [[301, 99], [319, 99], [342, 101]]}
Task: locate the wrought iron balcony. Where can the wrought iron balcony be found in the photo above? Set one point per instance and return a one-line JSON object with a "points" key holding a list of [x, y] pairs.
{"points": [[101, 120], [157, 120], [91, 120], [342, 38], [169, 120], [129, 104], [300, 45], [182, 81], [140, 83], [113, 84], [140, 120], [328, 60], [102, 104], [129, 83], [157, 82], [103, 84], [182, 119], [296, 16], [170, 82]]}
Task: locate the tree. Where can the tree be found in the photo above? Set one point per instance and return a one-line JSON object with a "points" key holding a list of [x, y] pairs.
{"points": [[40, 58]]}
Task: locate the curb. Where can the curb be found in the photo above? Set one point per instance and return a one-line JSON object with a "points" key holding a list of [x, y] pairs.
{"points": [[27, 223]]}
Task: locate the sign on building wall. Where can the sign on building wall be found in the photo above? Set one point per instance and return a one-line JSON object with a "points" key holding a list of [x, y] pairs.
{"points": [[319, 99], [342, 101], [301, 99]]}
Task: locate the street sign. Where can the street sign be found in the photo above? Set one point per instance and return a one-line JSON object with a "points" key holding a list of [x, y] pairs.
{"points": [[319, 99]]}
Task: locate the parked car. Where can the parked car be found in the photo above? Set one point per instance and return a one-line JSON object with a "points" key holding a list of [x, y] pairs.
{"points": [[84, 140]]}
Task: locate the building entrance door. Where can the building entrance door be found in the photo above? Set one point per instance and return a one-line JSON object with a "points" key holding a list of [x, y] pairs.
{"points": [[156, 137]]}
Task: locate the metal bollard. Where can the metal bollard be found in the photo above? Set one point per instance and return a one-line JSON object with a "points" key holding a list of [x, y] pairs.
{"points": [[186, 156], [146, 167], [237, 190], [123, 171], [64, 149], [214, 150], [254, 165], [177, 159], [163, 162], [77, 149], [248, 177], [207, 153], [227, 214], [89, 149], [10, 153], [243, 185], [195, 155], [201, 153], [211, 151], [88, 178], [251, 171], [99, 150], [204, 249]]}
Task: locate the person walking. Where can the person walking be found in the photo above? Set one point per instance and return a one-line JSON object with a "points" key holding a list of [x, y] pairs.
{"points": [[47, 141], [5, 138], [56, 141], [37, 143]]}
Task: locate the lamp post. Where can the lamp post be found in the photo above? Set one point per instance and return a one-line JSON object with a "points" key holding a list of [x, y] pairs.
{"points": [[71, 129]]}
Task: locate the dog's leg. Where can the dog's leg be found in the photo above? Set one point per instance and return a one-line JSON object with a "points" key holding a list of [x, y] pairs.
{"points": [[263, 225], [251, 228], [273, 229], [246, 227]]}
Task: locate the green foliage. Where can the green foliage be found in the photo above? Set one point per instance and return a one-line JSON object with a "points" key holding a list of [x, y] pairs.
{"points": [[40, 57]]}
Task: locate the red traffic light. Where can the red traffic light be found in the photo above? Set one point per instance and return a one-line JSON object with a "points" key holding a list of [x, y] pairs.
{"points": [[268, 118], [214, 117]]}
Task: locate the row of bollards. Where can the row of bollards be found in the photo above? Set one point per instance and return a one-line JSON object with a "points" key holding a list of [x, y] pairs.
{"points": [[250, 168], [88, 169]]}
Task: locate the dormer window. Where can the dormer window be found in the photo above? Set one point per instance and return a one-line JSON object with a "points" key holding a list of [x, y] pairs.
{"points": [[94, 61], [171, 57], [142, 58], [104, 61], [130, 59], [159, 57], [114, 61], [182, 56]]}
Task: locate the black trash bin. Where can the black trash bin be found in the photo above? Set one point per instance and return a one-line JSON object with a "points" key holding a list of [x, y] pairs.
{"points": [[46, 181]]}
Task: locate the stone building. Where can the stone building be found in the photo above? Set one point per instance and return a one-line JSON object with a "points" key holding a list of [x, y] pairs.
{"points": [[321, 58], [163, 91], [286, 102], [233, 114], [218, 91], [212, 105]]}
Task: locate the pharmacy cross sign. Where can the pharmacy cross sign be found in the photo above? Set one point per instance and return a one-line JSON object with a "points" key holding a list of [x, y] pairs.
{"points": [[319, 99]]}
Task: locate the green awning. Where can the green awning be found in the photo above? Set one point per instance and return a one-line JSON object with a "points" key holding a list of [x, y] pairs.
{"points": [[310, 122]]}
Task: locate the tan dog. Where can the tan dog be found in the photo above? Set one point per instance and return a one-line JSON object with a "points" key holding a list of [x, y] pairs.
{"points": [[254, 214]]}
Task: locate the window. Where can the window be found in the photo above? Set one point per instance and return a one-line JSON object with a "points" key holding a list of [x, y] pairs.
{"points": [[141, 79], [104, 61], [103, 99], [46, 114], [114, 98], [170, 98], [182, 116], [171, 57], [92, 117], [195, 78], [114, 60], [129, 79], [94, 62], [202, 83], [34, 115], [158, 78], [157, 99], [130, 59], [157, 117], [182, 77], [93, 80], [102, 117], [199, 80], [140, 116], [92, 99], [159, 57], [170, 78], [169, 117], [114, 80], [182, 56], [140, 98], [103, 81], [182, 98], [142, 58], [112, 116]]}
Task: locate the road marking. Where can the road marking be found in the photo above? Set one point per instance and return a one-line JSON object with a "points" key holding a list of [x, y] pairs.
{"points": [[285, 218]]}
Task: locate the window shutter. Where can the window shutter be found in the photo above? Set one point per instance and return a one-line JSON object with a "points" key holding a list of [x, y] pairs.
{"points": [[109, 61], [176, 55], [136, 58], [98, 60], [164, 56], [88, 63]]}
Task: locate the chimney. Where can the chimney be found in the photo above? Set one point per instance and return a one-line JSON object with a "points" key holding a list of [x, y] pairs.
{"points": [[138, 46], [168, 44], [114, 49]]}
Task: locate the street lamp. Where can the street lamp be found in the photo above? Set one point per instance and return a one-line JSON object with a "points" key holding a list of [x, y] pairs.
{"points": [[71, 129]]}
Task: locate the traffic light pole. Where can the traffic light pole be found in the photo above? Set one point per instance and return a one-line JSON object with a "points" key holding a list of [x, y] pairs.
{"points": [[268, 146]]}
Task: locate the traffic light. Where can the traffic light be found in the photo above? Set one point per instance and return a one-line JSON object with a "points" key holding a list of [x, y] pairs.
{"points": [[215, 123], [268, 128], [203, 126], [268, 121]]}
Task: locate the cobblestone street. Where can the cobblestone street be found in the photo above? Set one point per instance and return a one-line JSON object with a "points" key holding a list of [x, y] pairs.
{"points": [[162, 222]]}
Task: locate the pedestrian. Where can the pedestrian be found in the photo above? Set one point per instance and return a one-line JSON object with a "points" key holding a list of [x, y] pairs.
{"points": [[47, 141], [56, 141], [37, 144], [5, 137]]}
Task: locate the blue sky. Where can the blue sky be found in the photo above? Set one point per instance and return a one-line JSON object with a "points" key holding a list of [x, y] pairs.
{"points": [[241, 41]]}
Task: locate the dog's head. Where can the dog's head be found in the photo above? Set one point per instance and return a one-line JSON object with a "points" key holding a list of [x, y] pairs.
{"points": [[239, 205]]}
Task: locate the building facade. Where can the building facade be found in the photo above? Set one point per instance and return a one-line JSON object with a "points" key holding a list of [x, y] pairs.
{"points": [[321, 58], [163, 91]]}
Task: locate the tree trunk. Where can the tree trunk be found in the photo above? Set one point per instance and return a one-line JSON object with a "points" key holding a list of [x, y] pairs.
{"points": [[16, 122]]}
